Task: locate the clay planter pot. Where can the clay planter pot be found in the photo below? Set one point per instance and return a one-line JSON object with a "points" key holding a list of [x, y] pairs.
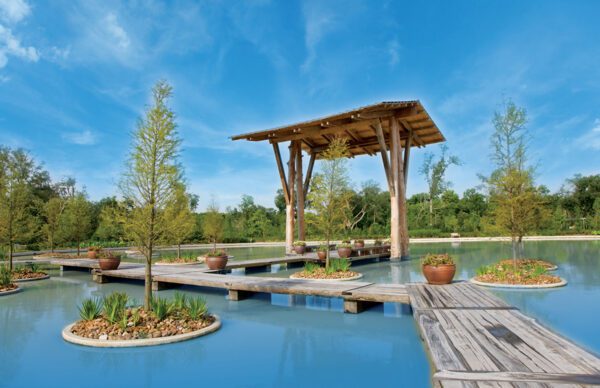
{"points": [[322, 255], [359, 244], [344, 253], [216, 262], [92, 254], [442, 274], [300, 249], [109, 263]]}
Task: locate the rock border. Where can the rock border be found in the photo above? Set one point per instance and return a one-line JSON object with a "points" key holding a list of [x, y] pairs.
{"points": [[32, 279], [96, 343], [9, 292], [562, 283], [359, 276]]}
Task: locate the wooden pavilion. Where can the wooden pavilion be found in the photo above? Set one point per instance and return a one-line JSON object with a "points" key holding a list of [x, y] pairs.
{"points": [[390, 129]]}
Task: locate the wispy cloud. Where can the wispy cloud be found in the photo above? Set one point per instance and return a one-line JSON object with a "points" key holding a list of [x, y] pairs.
{"points": [[12, 12], [116, 32], [393, 50], [318, 21], [590, 139], [85, 137]]}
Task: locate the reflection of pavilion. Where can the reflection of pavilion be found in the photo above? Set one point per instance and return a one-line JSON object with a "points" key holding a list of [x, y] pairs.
{"points": [[395, 126]]}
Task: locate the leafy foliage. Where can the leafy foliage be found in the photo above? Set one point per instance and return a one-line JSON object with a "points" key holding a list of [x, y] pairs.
{"points": [[197, 308], [113, 306], [5, 275], [161, 308], [91, 308], [437, 259]]}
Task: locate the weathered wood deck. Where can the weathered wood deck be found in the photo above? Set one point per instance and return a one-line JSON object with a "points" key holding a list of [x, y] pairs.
{"points": [[477, 340]]}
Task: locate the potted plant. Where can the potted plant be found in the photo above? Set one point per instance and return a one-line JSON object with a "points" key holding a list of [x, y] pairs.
{"points": [[299, 247], [93, 250], [344, 250], [322, 252], [376, 246], [216, 259], [109, 260], [438, 268], [359, 243]]}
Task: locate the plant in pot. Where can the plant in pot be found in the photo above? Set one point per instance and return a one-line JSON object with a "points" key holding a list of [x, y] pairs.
{"points": [[216, 259], [109, 260], [93, 250], [376, 246], [438, 268], [299, 247], [359, 243], [344, 250], [322, 252]]}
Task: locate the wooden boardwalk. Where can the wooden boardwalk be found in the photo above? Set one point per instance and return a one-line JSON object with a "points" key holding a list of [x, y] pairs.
{"points": [[477, 340]]}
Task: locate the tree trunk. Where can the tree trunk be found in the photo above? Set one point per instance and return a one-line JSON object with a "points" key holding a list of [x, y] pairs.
{"points": [[10, 255], [179, 251], [327, 256], [430, 211], [148, 280], [78, 247]]}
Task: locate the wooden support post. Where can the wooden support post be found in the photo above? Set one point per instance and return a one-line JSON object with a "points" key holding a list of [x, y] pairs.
{"points": [[384, 156], [289, 207], [98, 277], [357, 306], [401, 194], [395, 250], [237, 295], [159, 286], [407, 156], [284, 185], [311, 164], [300, 193]]}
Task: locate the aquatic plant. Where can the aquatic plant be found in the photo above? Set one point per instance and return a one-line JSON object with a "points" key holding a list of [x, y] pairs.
{"points": [[161, 308], [90, 309]]}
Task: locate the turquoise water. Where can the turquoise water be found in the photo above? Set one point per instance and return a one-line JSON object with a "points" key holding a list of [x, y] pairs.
{"points": [[278, 341]]}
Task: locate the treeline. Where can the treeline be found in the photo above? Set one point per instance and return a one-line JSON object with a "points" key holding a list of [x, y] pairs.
{"points": [[37, 213]]}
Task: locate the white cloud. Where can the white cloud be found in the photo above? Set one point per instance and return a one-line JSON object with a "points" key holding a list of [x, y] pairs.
{"points": [[116, 32], [13, 11], [393, 50], [86, 137], [590, 139]]}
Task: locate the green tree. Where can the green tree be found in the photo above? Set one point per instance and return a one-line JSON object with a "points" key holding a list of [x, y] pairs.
{"points": [[19, 175], [151, 178], [180, 218], [516, 202], [111, 221], [329, 196], [212, 223], [76, 220], [53, 211], [434, 172]]}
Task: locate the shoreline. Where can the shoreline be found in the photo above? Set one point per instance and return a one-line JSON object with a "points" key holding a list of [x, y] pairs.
{"points": [[276, 244]]}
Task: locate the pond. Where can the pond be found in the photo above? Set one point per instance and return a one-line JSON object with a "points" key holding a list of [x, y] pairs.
{"points": [[280, 341]]}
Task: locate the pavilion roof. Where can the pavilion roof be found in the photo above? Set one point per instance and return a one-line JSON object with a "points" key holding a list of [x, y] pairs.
{"points": [[359, 126]]}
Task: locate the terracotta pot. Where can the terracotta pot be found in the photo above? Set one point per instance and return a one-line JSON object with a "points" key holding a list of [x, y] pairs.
{"points": [[322, 255], [216, 262], [300, 249], [359, 244], [344, 253], [109, 263], [92, 254], [442, 274]]}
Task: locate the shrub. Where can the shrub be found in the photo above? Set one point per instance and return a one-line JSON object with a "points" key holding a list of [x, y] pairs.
{"points": [[216, 253], [161, 308], [197, 308], [437, 259], [113, 306], [299, 243], [108, 254], [377, 242], [96, 248], [344, 245], [90, 309], [359, 241], [5, 276], [322, 248]]}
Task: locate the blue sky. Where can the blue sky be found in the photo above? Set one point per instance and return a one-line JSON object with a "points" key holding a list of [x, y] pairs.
{"points": [[75, 77]]}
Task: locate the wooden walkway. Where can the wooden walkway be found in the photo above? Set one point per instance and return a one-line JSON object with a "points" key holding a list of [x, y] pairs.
{"points": [[477, 340]]}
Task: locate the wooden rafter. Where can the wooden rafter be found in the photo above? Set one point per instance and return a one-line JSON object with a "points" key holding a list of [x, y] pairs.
{"points": [[384, 155]]}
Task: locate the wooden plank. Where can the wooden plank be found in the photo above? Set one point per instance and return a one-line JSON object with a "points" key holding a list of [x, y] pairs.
{"points": [[552, 378], [284, 185], [395, 293]]}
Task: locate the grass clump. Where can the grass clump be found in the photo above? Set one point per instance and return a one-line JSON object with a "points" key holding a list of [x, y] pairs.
{"points": [[197, 308], [518, 272], [90, 309], [161, 308], [310, 267], [5, 276], [113, 306]]}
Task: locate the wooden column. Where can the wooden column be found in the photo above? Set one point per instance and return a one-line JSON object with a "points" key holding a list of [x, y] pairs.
{"points": [[289, 207], [399, 222], [300, 193]]}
